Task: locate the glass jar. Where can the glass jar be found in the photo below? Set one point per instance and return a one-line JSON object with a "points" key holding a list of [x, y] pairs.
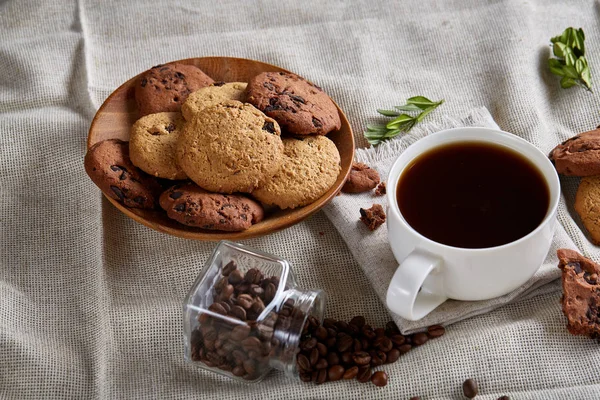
{"points": [[245, 314]]}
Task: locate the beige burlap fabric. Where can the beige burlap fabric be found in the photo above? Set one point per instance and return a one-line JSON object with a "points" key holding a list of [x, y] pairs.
{"points": [[90, 301]]}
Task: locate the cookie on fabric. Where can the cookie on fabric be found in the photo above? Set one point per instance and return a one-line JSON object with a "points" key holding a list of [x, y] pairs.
{"points": [[373, 217], [192, 206], [230, 147], [587, 205], [152, 145], [108, 165], [164, 88], [212, 95], [581, 293], [362, 178], [300, 107], [578, 156], [310, 167]]}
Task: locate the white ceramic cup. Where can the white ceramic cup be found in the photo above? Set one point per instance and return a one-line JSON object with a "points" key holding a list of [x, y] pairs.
{"points": [[431, 272]]}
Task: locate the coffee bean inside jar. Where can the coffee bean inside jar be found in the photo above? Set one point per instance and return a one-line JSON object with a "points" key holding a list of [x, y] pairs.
{"points": [[245, 315]]}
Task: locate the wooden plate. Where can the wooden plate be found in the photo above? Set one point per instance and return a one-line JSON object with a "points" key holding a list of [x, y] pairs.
{"points": [[118, 113]]}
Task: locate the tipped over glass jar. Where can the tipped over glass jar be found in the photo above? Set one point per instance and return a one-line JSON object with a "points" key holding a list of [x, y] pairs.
{"points": [[245, 314]]}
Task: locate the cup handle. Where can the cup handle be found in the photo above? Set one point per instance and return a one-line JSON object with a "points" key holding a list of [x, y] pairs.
{"points": [[416, 288]]}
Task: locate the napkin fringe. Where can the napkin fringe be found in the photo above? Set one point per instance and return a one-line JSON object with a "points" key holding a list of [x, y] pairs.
{"points": [[391, 148]]}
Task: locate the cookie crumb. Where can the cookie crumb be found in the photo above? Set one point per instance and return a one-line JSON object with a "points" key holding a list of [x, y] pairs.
{"points": [[362, 178], [381, 189], [373, 217]]}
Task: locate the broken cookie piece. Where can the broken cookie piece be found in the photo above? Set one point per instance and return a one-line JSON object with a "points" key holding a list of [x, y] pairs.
{"points": [[581, 293], [373, 217], [362, 178], [380, 190], [578, 156]]}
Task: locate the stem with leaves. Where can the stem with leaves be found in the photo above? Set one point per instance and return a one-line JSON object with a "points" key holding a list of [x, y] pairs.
{"points": [[570, 62], [402, 122]]}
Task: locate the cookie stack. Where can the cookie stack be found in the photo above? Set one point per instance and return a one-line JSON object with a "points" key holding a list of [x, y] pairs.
{"points": [[580, 156], [214, 154]]}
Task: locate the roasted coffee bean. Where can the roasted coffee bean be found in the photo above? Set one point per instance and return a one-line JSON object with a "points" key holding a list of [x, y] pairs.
{"points": [[257, 306], [357, 346], [335, 373], [314, 356], [238, 370], [245, 301], [321, 377], [217, 308], [361, 358], [504, 398], [250, 366], [383, 343], [379, 332], [358, 321], [256, 290], [341, 326], [322, 349], [322, 363], [229, 268], [470, 389], [321, 333], [253, 275], [377, 358], [351, 372], [303, 362], [391, 329], [344, 343], [226, 292], [365, 344], [235, 277], [329, 323], [331, 332], [379, 378], [239, 355], [368, 332], [346, 357], [242, 287], [420, 338], [364, 374], [405, 348], [393, 355], [238, 312], [398, 340], [251, 343], [415, 398], [270, 291], [308, 344], [436, 331], [333, 359], [330, 342], [305, 376]]}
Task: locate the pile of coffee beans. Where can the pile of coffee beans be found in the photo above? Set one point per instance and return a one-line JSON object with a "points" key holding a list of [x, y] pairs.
{"points": [[240, 343], [337, 350]]}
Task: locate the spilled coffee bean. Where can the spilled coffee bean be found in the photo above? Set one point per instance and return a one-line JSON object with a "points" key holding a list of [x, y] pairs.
{"points": [[349, 350]]}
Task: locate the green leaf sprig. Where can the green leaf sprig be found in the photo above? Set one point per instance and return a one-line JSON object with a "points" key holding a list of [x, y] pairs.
{"points": [[402, 122], [570, 63]]}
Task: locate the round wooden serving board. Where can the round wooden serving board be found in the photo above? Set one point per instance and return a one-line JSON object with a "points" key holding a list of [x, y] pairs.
{"points": [[118, 113]]}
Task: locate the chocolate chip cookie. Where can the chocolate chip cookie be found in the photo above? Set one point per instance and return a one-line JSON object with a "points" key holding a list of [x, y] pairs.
{"points": [[587, 205], [152, 144], [230, 147], [581, 293], [165, 88], [190, 205], [362, 178], [578, 156], [300, 107], [108, 165], [309, 168], [212, 95]]}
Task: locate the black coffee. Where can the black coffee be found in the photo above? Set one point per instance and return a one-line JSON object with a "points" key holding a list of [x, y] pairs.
{"points": [[472, 195]]}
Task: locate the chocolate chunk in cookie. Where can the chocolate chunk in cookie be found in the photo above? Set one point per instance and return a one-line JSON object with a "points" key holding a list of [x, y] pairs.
{"points": [[581, 293], [165, 88], [373, 217], [578, 156], [362, 178], [192, 206], [587, 205], [300, 107], [108, 165]]}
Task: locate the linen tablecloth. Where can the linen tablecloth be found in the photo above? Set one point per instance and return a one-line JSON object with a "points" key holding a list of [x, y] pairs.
{"points": [[90, 301]]}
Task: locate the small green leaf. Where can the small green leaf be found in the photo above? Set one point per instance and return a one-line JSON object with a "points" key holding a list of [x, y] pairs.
{"points": [[567, 82], [586, 77], [388, 113], [408, 107], [421, 102], [579, 65], [555, 66], [570, 72], [392, 133], [376, 128], [558, 49]]}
